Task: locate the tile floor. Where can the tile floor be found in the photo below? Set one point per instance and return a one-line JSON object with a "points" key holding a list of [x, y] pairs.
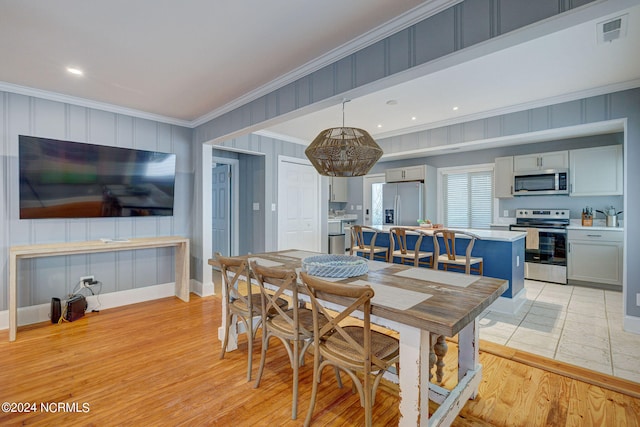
{"points": [[577, 325]]}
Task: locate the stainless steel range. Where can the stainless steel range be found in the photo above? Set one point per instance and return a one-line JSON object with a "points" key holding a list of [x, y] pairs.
{"points": [[545, 244]]}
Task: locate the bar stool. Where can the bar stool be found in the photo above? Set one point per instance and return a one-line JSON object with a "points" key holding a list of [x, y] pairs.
{"points": [[399, 235], [450, 258], [358, 245]]}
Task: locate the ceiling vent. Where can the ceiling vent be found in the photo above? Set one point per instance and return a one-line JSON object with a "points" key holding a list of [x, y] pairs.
{"points": [[612, 29]]}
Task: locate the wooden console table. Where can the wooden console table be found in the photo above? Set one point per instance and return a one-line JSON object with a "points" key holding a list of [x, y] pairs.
{"points": [[72, 248]]}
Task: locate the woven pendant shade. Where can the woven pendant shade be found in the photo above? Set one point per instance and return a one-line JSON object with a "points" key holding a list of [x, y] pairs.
{"points": [[343, 152]]}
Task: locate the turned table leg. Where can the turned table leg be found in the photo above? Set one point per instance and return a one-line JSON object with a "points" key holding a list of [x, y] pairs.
{"points": [[437, 352]]}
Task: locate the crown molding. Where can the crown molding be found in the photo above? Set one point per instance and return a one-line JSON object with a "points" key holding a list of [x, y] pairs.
{"points": [[83, 102], [399, 23]]}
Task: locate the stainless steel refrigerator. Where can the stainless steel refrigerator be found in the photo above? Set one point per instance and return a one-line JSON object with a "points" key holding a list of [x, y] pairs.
{"points": [[402, 203]]}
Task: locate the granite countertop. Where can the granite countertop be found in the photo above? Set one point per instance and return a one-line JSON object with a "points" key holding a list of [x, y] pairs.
{"points": [[484, 234]]}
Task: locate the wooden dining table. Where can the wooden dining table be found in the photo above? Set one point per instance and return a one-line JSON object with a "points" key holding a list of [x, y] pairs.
{"points": [[420, 304]]}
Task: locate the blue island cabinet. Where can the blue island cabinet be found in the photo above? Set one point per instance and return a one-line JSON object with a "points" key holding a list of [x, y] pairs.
{"points": [[502, 252]]}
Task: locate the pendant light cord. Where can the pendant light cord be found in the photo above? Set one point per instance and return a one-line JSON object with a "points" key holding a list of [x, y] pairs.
{"points": [[344, 101]]}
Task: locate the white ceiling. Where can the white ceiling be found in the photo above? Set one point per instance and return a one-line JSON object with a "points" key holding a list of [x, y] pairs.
{"points": [[186, 61], [178, 59]]}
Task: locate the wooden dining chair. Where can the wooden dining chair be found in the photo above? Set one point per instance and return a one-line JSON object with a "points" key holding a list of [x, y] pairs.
{"points": [[240, 302], [450, 257], [398, 238], [356, 350], [370, 250], [293, 326]]}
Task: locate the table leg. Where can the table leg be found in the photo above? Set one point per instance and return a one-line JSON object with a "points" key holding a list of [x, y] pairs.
{"points": [[468, 354], [182, 271], [414, 376], [13, 297], [439, 348], [232, 340]]}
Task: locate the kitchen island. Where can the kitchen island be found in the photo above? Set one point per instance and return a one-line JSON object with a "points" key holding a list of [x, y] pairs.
{"points": [[501, 250]]}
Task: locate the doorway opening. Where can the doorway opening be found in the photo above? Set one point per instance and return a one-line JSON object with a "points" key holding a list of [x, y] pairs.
{"points": [[224, 208], [372, 193]]}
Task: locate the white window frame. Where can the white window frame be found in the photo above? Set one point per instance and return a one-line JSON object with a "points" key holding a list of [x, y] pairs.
{"points": [[484, 167]]}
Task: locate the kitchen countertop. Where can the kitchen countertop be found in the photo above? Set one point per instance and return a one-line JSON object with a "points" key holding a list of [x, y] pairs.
{"points": [[598, 224], [348, 217], [498, 235]]}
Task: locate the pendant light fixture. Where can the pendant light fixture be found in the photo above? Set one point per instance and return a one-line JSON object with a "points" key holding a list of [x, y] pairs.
{"points": [[343, 151]]}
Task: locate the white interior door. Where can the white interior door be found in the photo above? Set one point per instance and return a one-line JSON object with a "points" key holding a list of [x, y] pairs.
{"points": [[221, 209], [299, 206], [372, 198]]}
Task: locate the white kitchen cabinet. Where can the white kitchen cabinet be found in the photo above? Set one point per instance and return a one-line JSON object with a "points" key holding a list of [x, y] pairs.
{"points": [[503, 177], [595, 256], [338, 189], [596, 171], [409, 173], [551, 160]]}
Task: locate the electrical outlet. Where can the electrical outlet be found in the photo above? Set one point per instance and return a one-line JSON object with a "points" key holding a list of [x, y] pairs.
{"points": [[87, 280], [517, 260], [505, 212], [638, 299]]}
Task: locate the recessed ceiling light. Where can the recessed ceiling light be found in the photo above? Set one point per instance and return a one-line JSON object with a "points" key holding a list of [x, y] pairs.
{"points": [[379, 126], [455, 108], [413, 118], [76, 71]]}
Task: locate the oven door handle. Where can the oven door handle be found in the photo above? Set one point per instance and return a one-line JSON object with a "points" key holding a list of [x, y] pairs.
{"points": [[541, 230]]}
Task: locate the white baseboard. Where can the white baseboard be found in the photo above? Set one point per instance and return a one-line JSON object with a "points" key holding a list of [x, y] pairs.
{"points": [[42, 312], [510, 305], [201, 289], [631, 324]]}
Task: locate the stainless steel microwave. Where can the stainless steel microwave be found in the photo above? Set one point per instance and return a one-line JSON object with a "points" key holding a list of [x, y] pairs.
{"points": [[541, 182]]}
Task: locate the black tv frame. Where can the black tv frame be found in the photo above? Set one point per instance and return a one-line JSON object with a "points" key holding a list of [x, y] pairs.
{"points": [[67, 179]]}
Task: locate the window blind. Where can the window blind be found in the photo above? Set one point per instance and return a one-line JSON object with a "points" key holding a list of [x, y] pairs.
{"points": [[468, 199]]}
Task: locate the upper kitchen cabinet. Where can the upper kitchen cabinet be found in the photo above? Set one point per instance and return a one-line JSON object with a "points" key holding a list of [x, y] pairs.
{"points": [[409, 173], [503, 177], [596, 171], [552, 160], [338, 189]]}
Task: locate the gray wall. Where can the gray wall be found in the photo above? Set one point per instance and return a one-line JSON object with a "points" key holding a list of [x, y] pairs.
{"points": [[44, 278]]}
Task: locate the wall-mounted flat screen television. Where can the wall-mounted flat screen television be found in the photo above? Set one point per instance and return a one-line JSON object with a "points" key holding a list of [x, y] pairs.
{"points": [[64, 179]]}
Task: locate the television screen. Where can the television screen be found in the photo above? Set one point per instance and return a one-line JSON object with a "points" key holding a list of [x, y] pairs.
{"points": [[63, 179]]}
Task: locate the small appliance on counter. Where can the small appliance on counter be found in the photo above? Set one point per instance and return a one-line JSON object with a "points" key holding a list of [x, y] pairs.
{"points": [[611, 216]]}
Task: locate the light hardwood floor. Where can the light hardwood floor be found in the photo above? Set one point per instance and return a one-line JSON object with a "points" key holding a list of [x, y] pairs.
{"points": [[157, 363]]}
